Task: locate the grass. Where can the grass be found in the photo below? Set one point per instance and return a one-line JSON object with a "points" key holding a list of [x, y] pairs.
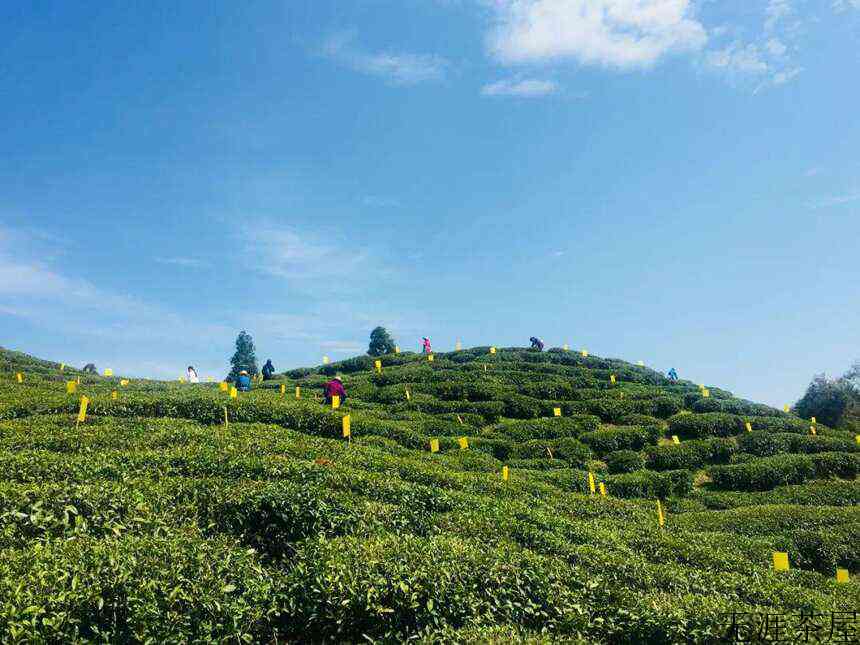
{"points": [[153, 520]]}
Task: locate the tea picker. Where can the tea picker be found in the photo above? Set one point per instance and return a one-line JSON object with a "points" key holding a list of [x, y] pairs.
{"points": [[537, 343], [673, 375], [268, 370], [425, 342], [243, 383], [332, 388]]}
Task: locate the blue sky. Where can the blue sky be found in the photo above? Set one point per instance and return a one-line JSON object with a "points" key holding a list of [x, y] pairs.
{"points": [[666, 180]]}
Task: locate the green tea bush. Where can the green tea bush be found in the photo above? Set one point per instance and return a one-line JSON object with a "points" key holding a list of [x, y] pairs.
{"points": [[621, 438], [764, 474], [644, 483], [690, 454], [624, 461], [546, 428], [704, 426]]}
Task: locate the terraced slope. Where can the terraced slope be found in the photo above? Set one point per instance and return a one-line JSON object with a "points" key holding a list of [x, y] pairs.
{"points": [[155, 520]]}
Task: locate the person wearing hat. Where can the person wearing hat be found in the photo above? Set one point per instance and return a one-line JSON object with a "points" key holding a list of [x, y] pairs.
{"points": [[537, 343], [243, 383], [425, 345], [332, 388]]}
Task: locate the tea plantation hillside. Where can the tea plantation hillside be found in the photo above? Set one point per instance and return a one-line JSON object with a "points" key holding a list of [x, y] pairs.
{"points": [[175, 513]]}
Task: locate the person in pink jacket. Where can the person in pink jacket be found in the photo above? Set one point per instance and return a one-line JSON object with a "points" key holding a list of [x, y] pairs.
{"points": [[426, 343]]}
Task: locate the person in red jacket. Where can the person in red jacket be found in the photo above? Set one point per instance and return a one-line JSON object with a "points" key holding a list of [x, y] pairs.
{"points": [[425, 342], [332, 388]]}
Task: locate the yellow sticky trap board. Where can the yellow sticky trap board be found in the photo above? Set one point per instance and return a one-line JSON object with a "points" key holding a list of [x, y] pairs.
{"points": [[748, 426], [785, 408], [181, 379], [584, 353], [857, 438], [641, 363], [566, 347], [71, 386], [62, 366], [492, 350], [603, 489], [335, 402], [408, 395], [82, 413], [549, 452], [812, 429], [113, 395], [813, 420], [108, 372], [430, 357], [434, 445], [458, 346], [78, 380], [209, 379], [556, 412], [223, 386], [706, 393], [234, 393], [20, 377], [660, 519], [591, 486], [397, 349], [325, 360], [612, 379], [378, 366], [464, 443], [675, 439], [124, 382], [460, 419], [283, 389], [347, 427], [505, 473], [780, 561], [226, 421], [842, 575], [298, 392]]}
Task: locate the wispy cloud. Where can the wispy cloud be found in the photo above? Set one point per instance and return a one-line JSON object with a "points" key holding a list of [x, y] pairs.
{"points": [[397, 68], [528, 88], [35, 291], [380, 201], [836, 200], [844, 5], [611, 33], [188, 263], [286, 252]]}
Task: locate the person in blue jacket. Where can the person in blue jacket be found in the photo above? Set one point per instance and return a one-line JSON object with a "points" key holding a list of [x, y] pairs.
{"points": [[268, 370], [243, 383], [673, 375]]}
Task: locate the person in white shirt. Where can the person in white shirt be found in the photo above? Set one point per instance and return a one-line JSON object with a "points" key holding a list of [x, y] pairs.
{"points": [[192, 375]]}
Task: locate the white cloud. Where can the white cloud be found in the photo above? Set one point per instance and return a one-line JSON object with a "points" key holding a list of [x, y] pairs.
{"points": [[844, 5], [529, 87], [397, 68], [738, 58], [786, 75], [614, 33], [776, 12], [775, 47]]}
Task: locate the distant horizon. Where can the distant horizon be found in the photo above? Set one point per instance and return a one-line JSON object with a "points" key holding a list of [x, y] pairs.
{"points": [[675, 182]]}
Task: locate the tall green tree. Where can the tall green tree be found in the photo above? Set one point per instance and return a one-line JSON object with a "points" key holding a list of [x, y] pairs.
{"points": [[245, 357], [381, 342], [834, 402]]}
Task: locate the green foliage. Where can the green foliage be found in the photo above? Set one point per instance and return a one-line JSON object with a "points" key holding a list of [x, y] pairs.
{"points": [[381, 342], [829, 400], [245, 357], [624, 461], [153, 521]]}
